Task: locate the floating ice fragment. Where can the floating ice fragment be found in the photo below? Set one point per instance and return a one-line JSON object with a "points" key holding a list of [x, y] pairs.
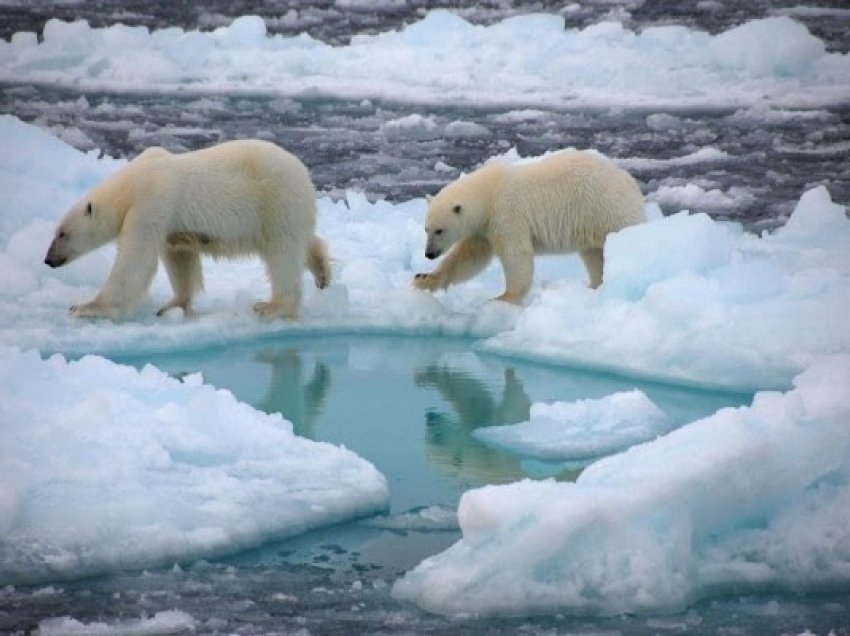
{"points": [[581, 429]]}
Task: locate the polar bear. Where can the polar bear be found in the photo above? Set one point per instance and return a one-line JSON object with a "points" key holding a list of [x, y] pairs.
{"points": [[569, 201], [235, 199]]}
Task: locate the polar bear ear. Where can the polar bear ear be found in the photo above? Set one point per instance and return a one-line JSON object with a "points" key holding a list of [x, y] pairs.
{"points": [[457, 208]]}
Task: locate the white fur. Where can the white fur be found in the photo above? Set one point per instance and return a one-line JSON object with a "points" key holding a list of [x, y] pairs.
{"points": [[235, 199], [567, 202]]}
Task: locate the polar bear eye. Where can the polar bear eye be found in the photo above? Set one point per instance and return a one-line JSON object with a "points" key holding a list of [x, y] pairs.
{"points": [[457, 209], [89, 209], [62, 235], [438, 232]]}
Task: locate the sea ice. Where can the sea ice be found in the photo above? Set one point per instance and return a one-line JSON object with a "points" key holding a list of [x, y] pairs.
{"points": [[528, 61], [105, 467], [581, 429], [749, 498]]}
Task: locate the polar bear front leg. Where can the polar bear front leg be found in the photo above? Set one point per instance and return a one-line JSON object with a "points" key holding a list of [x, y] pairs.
{"points": [[186, 277], [131, 276], [518, 263], [466, 259]]}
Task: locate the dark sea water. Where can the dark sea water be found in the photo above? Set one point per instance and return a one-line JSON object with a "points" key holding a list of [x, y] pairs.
{"points": [[337, 581]]}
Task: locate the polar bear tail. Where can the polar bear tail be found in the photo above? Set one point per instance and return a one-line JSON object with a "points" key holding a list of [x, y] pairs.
{"points": [[318, 262]]}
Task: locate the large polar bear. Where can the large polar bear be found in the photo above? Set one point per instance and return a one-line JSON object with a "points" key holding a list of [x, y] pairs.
{"points": [[569, 201], [231, 200]]}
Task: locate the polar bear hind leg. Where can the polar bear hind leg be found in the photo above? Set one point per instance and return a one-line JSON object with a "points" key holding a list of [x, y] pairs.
{"points": [[318, 262], [284, 271], [592, 258]]}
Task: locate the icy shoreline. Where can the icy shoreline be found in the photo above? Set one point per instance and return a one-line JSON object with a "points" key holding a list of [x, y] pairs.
{"points": [[686, 299]]}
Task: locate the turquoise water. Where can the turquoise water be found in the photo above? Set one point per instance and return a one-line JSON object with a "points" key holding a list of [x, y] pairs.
{"points": [[409, 405]]}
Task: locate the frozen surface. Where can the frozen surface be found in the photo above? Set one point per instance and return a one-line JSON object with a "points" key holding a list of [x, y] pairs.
{"points": [[472, 64], [581, 429], [104, 467], [747, 498], [686, 299]]}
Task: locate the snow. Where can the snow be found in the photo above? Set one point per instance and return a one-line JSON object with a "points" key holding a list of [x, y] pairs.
{"points": [[530, 61], [581, 429], [120, 468], [747, 498]]}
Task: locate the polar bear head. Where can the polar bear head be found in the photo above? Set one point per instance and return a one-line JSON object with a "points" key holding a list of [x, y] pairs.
{"points": [[93, 221], [458, 211]]}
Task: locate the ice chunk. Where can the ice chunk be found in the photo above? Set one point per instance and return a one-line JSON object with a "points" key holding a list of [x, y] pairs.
{"points": [[581, 429], [751, 498], [639, 256], [752, 47], [428, 518], [695, 197], [167, 622], [460, 129], [413, 126], [105, 467]]}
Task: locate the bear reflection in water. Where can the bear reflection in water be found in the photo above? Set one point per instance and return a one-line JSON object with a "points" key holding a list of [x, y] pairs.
{"points": [[298, 401], [450, 445], [302, 388]]}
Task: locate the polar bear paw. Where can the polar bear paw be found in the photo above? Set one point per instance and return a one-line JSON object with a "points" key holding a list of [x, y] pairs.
{"points": [[513, 299], [91, 309], [428, 282], [185, 305], [271, 309]]}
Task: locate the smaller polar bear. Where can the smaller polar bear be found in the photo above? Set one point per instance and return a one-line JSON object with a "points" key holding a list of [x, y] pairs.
{"points": [[235, 199], [569, 201]]}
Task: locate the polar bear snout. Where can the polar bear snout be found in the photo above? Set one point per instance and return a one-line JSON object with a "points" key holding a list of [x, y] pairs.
{"points": [[432, 248], [53, 258]]}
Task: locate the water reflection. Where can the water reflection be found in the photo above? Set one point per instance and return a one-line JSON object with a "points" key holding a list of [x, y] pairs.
{"points": [[409, 405], [298, 401], [449, 445]]}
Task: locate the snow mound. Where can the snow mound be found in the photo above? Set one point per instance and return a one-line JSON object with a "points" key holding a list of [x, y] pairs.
{"points": [[751, 498], [105, 467]]}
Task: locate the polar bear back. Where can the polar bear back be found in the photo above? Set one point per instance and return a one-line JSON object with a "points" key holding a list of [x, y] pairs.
{"points": [[233, 198], [568, 201]]}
